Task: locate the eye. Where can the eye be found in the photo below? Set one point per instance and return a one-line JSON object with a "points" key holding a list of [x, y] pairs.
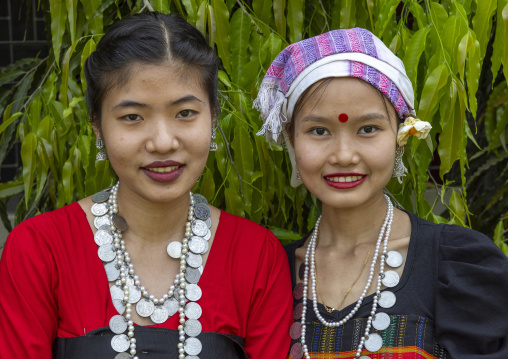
{"points": [[186, 114], [368, 129], [319, 131], [132, 117]]}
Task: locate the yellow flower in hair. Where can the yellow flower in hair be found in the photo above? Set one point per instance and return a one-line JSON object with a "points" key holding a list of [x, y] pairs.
{"points": [[412, 127]]}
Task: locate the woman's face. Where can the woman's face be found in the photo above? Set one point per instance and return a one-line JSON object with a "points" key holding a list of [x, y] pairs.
{"points": [[345, 140], [157, 131]]}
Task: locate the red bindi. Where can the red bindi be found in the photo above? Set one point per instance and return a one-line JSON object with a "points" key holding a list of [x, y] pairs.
{"points": [[343, 117]]}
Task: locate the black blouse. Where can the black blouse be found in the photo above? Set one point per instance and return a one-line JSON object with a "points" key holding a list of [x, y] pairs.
{"points": [[452, 299]]}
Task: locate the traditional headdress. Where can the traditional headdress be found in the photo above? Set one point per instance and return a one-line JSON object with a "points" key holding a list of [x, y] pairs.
{"points": [[338, 53]]}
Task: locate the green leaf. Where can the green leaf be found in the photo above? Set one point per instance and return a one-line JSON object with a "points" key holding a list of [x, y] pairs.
{"points": [[347, 14], [191, 9], [262, 9], [11, 188], [58, 16], [284, 235], [221, 14], [295, 20], [207, 187], [239, 43], [10, 120], [87, 51], [385, 16], [413, 53], [28, 156], [482, 22], [234, 202], [71, 16], [201, 19], [65, 74], [212, 27], [11, 75], [280, 19], [430, 93], [160, 5]]}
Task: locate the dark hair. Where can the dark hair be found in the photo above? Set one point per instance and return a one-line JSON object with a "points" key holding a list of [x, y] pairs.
{"points": [[320, 89], [148, 38]]}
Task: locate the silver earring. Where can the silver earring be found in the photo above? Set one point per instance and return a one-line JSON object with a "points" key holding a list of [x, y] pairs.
{"points": [[101, 155], [399, 170], [213, 144], [298, 175]]}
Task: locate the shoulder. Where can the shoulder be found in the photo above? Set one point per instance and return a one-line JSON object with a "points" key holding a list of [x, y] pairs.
{"points": [[236, 225]]}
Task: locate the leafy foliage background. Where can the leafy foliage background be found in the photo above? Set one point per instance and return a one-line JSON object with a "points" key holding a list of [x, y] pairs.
{"points": [[455, 53]]}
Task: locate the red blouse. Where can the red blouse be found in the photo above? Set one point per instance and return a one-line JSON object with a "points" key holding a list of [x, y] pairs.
{"points": [[53, 284]]}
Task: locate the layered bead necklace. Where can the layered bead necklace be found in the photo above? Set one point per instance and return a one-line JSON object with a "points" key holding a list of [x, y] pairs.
{"points": [[182, 295], [386, 299]]}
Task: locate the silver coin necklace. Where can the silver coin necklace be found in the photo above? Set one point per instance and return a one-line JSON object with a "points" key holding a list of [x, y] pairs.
{"points": [[127, 290], [385, 299]]}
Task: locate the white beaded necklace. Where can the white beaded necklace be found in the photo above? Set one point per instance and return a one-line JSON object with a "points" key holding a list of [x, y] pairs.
{"points": [[310, 262]]}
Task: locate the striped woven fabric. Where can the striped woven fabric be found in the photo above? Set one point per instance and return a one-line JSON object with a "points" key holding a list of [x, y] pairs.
{"points": [[407, 337]]}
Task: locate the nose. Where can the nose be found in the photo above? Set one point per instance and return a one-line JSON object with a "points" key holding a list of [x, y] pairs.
{"points": [[162, 136], [344, 152]]}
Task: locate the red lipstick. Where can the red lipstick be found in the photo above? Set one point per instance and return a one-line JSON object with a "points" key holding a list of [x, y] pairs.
{"points": [[152, 173], [344, 185]]}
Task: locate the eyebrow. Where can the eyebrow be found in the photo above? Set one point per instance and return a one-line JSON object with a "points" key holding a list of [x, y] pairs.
{"points": [[131, 103], [363, 118]]}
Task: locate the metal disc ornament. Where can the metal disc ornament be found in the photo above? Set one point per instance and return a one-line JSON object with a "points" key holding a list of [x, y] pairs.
{"points": [[374, 343], [208, 222], [112, 272], [98, 222], [120, 343], [297, 312], [200, 268], [192, 346], [119, 222], [193, 292], [171, 306], [197, 244], [106, 253], [206, 247], [199, 198], [295, 331], [99, 209], [119, 306], [159, 315], [102, 237], [192, 275], [381, 321], [199, 228], [387, 299], [100, 197], [202, 211], [298, 291], [118, 324], [192, 327], [394, 259], [390, 279], [365, 357], [116, 292], [208, 235], [134, 294], [194, 260], [175, 249], [122, 356], [145, 308], [193, 310], [296, 351]]}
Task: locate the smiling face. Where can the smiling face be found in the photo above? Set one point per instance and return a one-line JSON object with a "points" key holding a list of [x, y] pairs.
{"points": [[345, 163], [157, 130]]}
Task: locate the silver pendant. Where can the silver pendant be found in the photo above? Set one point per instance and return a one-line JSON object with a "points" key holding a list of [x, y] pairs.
{"points": [[192, 346], [193, 310], [102, 237], [208, 223], [159, 315], [390, 279], [175, 249], [191, 357], [199, 198], [208, 235], [99, 209], [199, 228], [374, 343], [202, 211], [122, 356], [112, 272], [365, 357], [296, 351], [295, 331], [116, 292], [119, 306], [197, 244], [387, 299], [119, 222], [129, 281], [394, 259], [192, 327], [171, 306], [200, 268], [381, 321], [120, 343], [118, 324], [298, 291], [100, 197], [134, 294], [192, 275], [206, 247], [145, 308], [106, 253], [98, 222], [298, 311], [193, 292], [194, 260]]}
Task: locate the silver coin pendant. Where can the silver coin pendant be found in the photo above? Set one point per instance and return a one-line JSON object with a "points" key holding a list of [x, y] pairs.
{"points": [[122, 356], [197, 244], [202, 211], [192, 327], [102, 237], [175, 249], [100, 197], [99, 209], [171, 306], [390, 279], [192, 346], [106, 253], [112, 272], [194, 260], [159, 315], [374, 343], [118, 324], [116, 292], [193, 310], [193, 292], [120, 343], [394, 259], [208, 222], [192, 275], [98, 222], [199, 198], [387, 299], [145, 308], [199, 228], [381, 321], [134, 294], [119, 306]]}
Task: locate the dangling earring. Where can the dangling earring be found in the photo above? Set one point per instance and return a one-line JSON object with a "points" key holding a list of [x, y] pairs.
{"points": [[101, 155], [399, 170], [298, 176], [213, 145]]}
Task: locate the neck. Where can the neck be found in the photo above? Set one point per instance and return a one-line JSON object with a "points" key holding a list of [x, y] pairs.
{"points": [[153, 222], [352, 226]]}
